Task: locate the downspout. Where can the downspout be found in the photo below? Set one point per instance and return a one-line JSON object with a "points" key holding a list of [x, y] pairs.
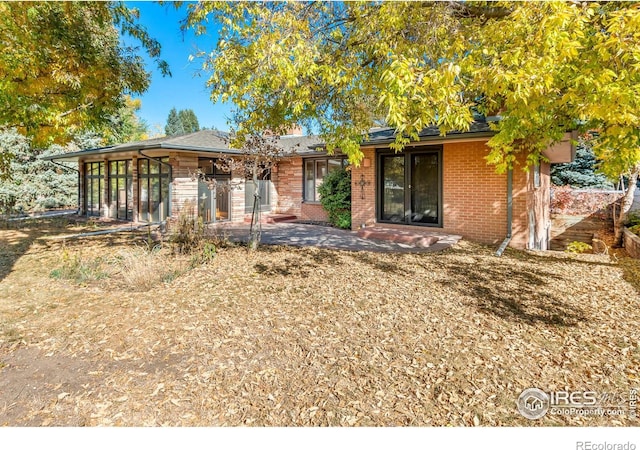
{"points": [[170, 175], [507, 239], [78, 172]]}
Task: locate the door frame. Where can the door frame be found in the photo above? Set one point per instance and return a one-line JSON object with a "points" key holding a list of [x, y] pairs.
{"points": [[408, 153]]}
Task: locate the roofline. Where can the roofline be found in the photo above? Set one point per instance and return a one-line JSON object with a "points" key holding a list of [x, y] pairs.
{"points": [[448, 137], [75, 156]]}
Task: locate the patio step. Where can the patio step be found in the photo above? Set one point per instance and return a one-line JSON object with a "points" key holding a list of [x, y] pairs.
{"points": [[422, 240], [272, 218]]}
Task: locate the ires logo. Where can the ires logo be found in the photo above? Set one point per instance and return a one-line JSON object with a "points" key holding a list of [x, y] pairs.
{"points": [[534, 403], [566, 398]]}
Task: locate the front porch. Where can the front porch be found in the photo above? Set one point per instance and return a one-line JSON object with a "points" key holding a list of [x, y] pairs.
{"points": [[305, 235]]}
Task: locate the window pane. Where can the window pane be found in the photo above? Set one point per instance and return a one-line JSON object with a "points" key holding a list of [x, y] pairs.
{"points": [[129, 198], [154, 166], [113, 167], [144, 199], [309, 189], [424, 188], [321, 171], [129, 167], [122, 199], [154, 198], [393, 188], [113, 193], [143, 166], [335, 164], [164, 197], [101, 167]]}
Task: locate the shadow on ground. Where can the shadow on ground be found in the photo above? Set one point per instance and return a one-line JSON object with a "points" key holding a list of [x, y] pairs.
{"points": [[519, 295]]}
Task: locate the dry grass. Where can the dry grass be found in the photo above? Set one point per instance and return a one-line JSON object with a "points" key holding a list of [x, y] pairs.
{"points": [[287, 336]]}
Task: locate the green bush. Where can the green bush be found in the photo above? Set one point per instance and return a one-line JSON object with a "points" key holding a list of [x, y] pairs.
{"points": [[335, 197]]}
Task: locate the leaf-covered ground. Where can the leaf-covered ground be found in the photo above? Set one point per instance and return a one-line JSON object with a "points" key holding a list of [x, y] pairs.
{"points": [[290, 336]]}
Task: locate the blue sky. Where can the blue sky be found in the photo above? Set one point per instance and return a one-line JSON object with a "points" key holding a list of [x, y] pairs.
{"points": [[183, 89]]}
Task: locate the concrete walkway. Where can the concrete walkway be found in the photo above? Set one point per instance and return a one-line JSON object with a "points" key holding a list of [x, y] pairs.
{"points": [[303, 235]]}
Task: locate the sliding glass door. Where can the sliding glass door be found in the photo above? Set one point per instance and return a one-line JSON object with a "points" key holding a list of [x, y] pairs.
{"points": [[409, 189]]}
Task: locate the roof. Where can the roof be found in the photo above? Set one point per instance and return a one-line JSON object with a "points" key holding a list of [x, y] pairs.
{"points": [[386, 135], [213, 141], [205, 141]]}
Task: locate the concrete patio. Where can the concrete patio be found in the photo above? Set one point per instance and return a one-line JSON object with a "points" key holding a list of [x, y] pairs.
{"points": [[304, 235]]}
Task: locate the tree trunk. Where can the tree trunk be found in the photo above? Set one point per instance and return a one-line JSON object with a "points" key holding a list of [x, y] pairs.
{"points": [[625, 206], [256, 228]]}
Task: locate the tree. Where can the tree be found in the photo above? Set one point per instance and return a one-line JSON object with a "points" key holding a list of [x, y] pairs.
{"points": [[581, 173], [36, 184], [189, 120], [543, 67], [174, 124], [257, 157], [63, 67], [181, 122]]}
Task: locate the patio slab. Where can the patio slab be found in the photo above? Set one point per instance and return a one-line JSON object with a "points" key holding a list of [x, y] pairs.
{"points": [[304, 235]]}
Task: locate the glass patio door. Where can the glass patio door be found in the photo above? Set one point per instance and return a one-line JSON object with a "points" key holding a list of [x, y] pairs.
{"points": [[409, 188]]}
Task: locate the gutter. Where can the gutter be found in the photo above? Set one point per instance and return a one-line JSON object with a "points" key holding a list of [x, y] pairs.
{"points": [[507, 239], [78, 172]]}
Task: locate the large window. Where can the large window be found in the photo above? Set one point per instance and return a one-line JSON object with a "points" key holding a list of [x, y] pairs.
{"points": [[264, 190], [153, 190], [121, 189], [214, 194], [314, 172], [93, 188]]}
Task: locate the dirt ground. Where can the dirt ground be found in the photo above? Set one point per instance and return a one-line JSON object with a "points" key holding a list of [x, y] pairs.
{"points": [[306, 336]]}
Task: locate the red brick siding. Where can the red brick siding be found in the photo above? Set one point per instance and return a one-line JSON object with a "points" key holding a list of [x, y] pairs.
{"points": [[363, 210], [474, 196], [313, 211], [287, 184]]}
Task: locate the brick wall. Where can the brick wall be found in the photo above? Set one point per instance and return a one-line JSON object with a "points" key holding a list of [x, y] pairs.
{"points": [[363, 210], [313, 211], [474, 196], [287, 182]]}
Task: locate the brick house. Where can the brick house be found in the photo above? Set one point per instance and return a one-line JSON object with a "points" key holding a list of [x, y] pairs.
{"points": [[439, 183]]}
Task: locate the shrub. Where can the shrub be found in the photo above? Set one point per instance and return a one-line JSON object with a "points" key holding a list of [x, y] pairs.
{"points": [[335, 197], [189, 231], [142, 269], [578, 247], [79, 268]]}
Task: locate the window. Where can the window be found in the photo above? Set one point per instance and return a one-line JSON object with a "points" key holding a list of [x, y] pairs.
{"points": [[409, 187], [264, 189], [93, 188], [153, 190], [314, 172], [121, 189], [213, 198]]}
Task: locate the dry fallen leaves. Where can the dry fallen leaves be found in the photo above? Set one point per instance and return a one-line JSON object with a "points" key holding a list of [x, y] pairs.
{"points": [[304, 337]]}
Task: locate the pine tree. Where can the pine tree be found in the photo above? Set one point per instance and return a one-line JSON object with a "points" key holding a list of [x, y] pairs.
{"points": [[174, 124], [189, 121], [581, 173]]}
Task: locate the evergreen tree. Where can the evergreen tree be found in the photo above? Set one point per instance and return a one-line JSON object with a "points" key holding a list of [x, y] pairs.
{"points": [[174, 124], [582, 172], [189, 121]]}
